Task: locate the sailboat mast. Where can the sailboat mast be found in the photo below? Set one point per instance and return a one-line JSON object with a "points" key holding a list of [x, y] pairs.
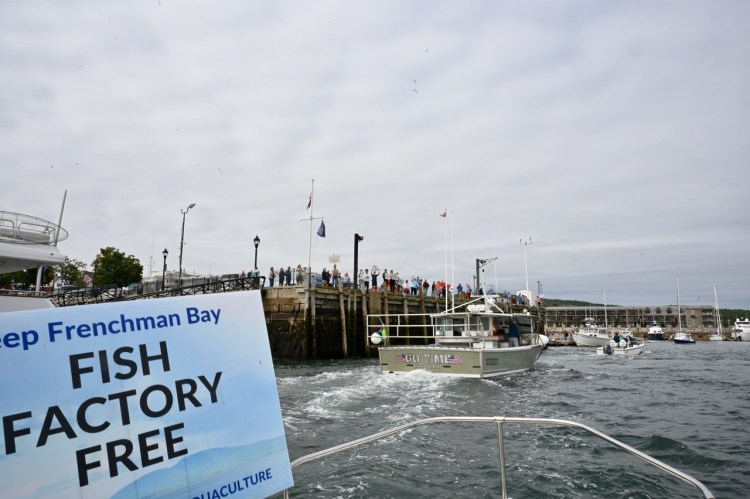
{"points": [[679, 319], [606, 326], [718, 315]]}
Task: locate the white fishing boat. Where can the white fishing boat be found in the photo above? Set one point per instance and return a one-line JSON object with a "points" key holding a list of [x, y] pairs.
{"points": [[741, 329], [27, 242], [716, 335], [591, 335], [474, 339], [655, 333], [681, 337], [623, 343]]}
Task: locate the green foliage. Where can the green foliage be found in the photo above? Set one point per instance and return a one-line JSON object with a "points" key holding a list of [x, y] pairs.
{"points": [[729, 315], [113, 268], [71, 272], [26, 279], [22, 279]]}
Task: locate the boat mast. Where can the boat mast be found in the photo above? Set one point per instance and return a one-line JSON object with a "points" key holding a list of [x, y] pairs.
{"points": [[679, 319], [606, 327], [718, 315]]}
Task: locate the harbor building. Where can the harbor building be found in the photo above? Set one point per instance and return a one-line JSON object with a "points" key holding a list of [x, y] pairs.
{"points": [[693, 318]]}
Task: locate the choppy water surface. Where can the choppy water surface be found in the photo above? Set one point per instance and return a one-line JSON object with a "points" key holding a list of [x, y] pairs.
{"points": [[687, 405]]}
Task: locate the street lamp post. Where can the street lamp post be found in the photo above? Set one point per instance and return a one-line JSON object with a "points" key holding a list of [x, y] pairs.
{"points": [[256, 241], [357, 239], [182, 241], [164, 269]]}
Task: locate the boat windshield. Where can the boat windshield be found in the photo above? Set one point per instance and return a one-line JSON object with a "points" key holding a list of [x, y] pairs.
{"points": [[478, 325], [450, 326]]}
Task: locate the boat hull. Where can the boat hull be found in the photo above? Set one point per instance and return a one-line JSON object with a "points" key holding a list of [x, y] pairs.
{"points": [[620, 351], [587, 340], [683, 339], [462, 362]]}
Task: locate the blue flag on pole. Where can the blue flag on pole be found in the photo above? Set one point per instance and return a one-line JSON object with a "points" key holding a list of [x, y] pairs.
{"points": [[322, 229]]}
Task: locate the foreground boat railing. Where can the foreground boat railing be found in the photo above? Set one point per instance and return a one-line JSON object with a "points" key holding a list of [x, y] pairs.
{"points": [[500, 421]]}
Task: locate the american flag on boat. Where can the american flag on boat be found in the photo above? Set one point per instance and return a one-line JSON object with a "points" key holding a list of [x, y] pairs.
{"points": [[400, 358], [455, 359]]}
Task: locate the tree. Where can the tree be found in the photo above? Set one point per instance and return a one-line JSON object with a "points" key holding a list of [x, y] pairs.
{"points": [[71, 272], [113, 268], [26, 279]]}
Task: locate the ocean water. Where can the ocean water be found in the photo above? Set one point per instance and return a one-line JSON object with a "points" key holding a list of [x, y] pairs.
{"points": [[686, 405]]}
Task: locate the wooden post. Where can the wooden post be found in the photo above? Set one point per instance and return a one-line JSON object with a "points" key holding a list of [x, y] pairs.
{"points": [[424, 317], [364, 311], [308, 326], [406, 318], [314, 328], [344, 346]]}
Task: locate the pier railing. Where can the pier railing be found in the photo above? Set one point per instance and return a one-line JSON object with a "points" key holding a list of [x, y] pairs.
{"points": [[500, 422], [100, 294]]}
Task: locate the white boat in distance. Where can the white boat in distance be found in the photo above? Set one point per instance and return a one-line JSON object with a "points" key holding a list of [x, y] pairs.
{"points": [[623, 343], [469, 340], [591, 335], [681, 337], [655, 333], [741, 329]]}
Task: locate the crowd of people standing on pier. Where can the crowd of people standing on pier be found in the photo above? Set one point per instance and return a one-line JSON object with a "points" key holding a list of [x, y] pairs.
{"points": [[368, 279], [373, 279]]}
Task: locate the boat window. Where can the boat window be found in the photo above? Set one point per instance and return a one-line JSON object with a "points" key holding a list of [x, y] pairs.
{"points": [[459, 326], [487, 325], [449, 326]]}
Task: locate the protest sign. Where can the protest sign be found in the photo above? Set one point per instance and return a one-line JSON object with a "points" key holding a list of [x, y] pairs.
{"points": [[171, 397]]}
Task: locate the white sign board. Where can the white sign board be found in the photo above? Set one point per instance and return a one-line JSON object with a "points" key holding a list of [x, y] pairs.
{"points": [[171, 397]]}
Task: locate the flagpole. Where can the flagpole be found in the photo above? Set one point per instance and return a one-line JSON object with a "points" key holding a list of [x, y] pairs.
{"points": [[445, 225], [309, 245], [453, 276]]}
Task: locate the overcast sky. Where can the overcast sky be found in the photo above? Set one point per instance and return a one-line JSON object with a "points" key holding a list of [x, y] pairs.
{"points": [[614, 136]]}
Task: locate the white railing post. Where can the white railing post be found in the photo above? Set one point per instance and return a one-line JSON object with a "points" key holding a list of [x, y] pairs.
{"points": [[501, 443]]}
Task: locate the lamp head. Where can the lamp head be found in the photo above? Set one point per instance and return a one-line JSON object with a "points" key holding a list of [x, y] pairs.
{"points": [[165, 252], [256, 241]]}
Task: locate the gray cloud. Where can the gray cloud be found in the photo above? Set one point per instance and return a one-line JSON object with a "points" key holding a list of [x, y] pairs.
{"points": [[614, 135]]}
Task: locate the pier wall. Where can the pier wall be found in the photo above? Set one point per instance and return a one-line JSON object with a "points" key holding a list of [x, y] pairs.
{"points": [[333, 325]]}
